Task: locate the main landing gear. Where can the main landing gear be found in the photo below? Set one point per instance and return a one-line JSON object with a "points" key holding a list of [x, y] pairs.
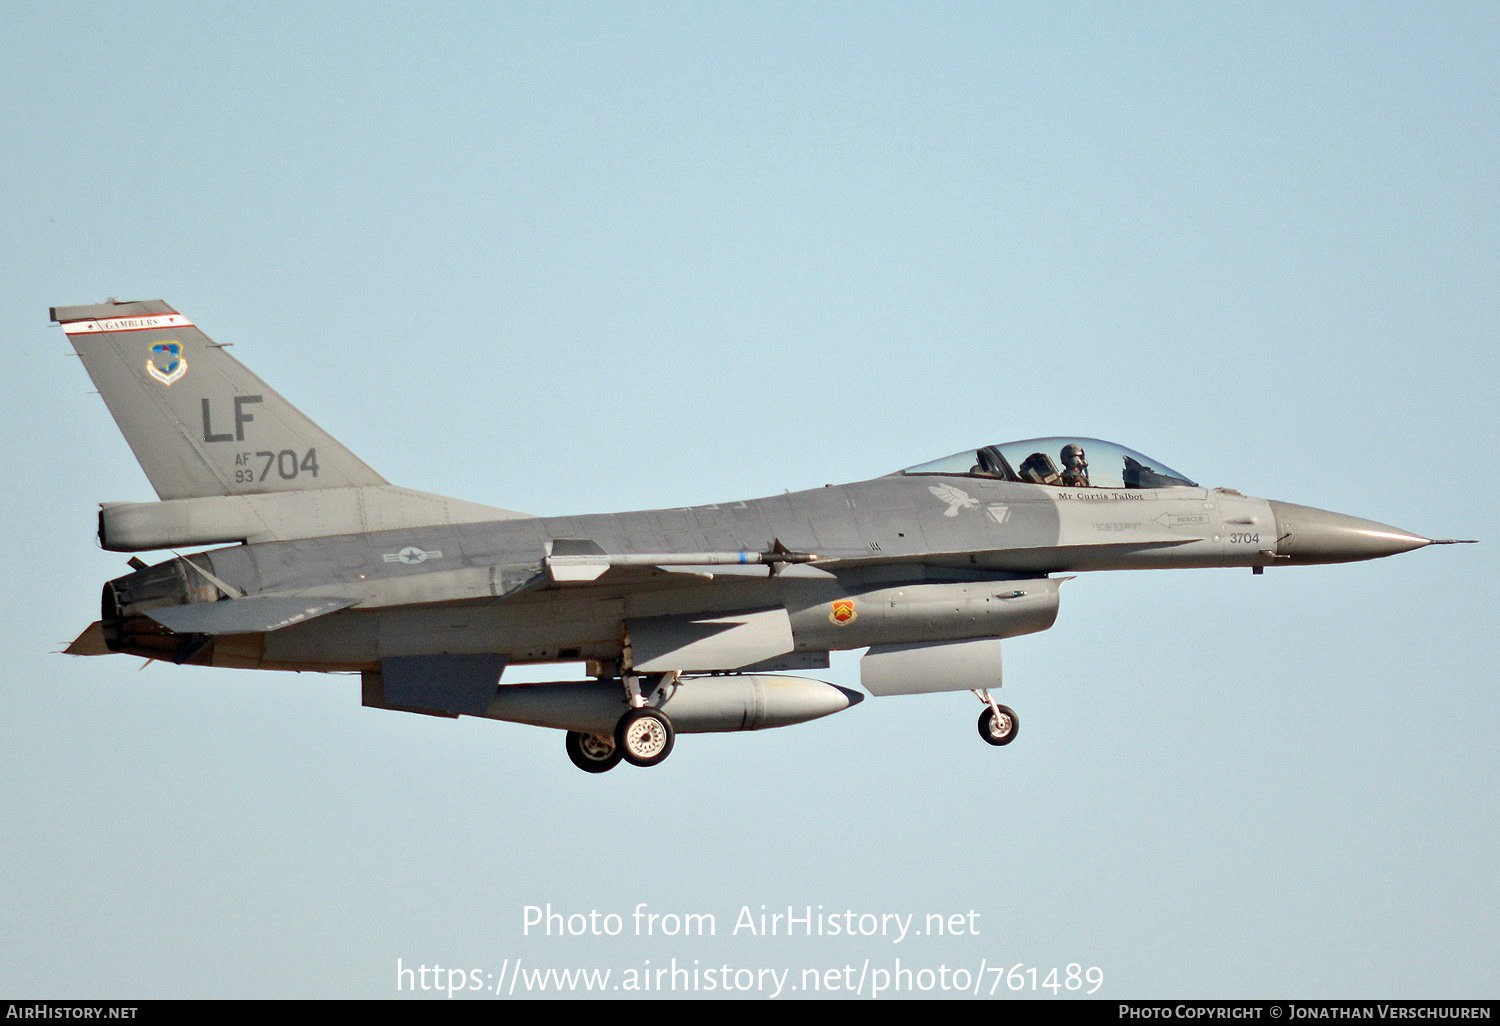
{"points": [[643, 737], [998, 724], [593, 753]]}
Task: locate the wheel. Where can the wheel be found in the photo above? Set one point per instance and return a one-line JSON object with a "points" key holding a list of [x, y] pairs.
{"points": [[593, 753], [1002, 733], [644, 737]]}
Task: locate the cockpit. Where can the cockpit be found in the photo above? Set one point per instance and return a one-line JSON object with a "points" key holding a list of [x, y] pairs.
{"points": [[1062, 462]]}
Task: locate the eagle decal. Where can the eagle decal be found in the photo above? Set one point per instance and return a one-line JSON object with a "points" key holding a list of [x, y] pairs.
{"points": [[956, 498]]}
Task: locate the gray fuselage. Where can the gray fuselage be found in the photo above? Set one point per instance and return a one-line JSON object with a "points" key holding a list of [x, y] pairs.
{"points": [[920, 556]]}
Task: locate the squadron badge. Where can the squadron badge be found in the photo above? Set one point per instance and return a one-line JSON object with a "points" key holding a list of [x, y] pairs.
{"points": [[166, 363], [843, 612]]}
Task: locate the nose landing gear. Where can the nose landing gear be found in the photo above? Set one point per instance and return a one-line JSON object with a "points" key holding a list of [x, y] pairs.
{"points": [[998, 724]]}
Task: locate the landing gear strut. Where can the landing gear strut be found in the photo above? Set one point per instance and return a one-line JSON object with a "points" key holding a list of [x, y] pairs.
{"points": [[644, 736], [998, 724]]}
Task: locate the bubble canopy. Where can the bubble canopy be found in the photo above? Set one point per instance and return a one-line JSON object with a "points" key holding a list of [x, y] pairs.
{"points": [[1063, 462]]}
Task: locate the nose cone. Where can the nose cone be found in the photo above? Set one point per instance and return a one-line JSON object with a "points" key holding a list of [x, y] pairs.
{"points": [[1310, 535]]}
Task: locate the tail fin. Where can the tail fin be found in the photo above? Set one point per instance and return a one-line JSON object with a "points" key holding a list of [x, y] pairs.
{"points": [[197, 420]]}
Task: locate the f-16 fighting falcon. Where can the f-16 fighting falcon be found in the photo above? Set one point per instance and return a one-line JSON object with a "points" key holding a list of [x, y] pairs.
{"points": [[685, 617]]}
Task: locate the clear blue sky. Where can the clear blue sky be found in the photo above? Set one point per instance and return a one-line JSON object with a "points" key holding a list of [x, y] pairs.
{"points": [[570, 258]]}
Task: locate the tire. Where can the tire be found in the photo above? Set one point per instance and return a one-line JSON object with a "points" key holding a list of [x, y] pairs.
{"points": [[991, 733], [593, 753], [644, 737]]}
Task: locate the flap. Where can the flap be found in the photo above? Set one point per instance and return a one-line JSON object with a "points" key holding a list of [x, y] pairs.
{"points": [[254, 615], [709, 641]]}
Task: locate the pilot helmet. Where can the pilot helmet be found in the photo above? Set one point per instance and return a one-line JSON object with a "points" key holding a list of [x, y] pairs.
{"points": [[1069, 452]]}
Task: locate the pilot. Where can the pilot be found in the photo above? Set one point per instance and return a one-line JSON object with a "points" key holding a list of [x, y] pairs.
{"points": [[1075, 468]]}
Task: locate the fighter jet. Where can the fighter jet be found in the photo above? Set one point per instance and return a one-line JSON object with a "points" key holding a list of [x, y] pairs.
{"points": [[685, 618]]}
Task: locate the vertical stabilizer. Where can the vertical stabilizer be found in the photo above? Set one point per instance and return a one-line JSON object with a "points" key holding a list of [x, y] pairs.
{"points": [[198, 420]]}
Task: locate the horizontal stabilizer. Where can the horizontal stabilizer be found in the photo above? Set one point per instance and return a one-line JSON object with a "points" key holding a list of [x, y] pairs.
{"points": [[254, 615], [90, 642]]}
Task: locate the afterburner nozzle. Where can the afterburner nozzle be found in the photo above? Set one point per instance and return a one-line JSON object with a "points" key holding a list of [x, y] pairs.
{"points": [[1309, 535]]}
